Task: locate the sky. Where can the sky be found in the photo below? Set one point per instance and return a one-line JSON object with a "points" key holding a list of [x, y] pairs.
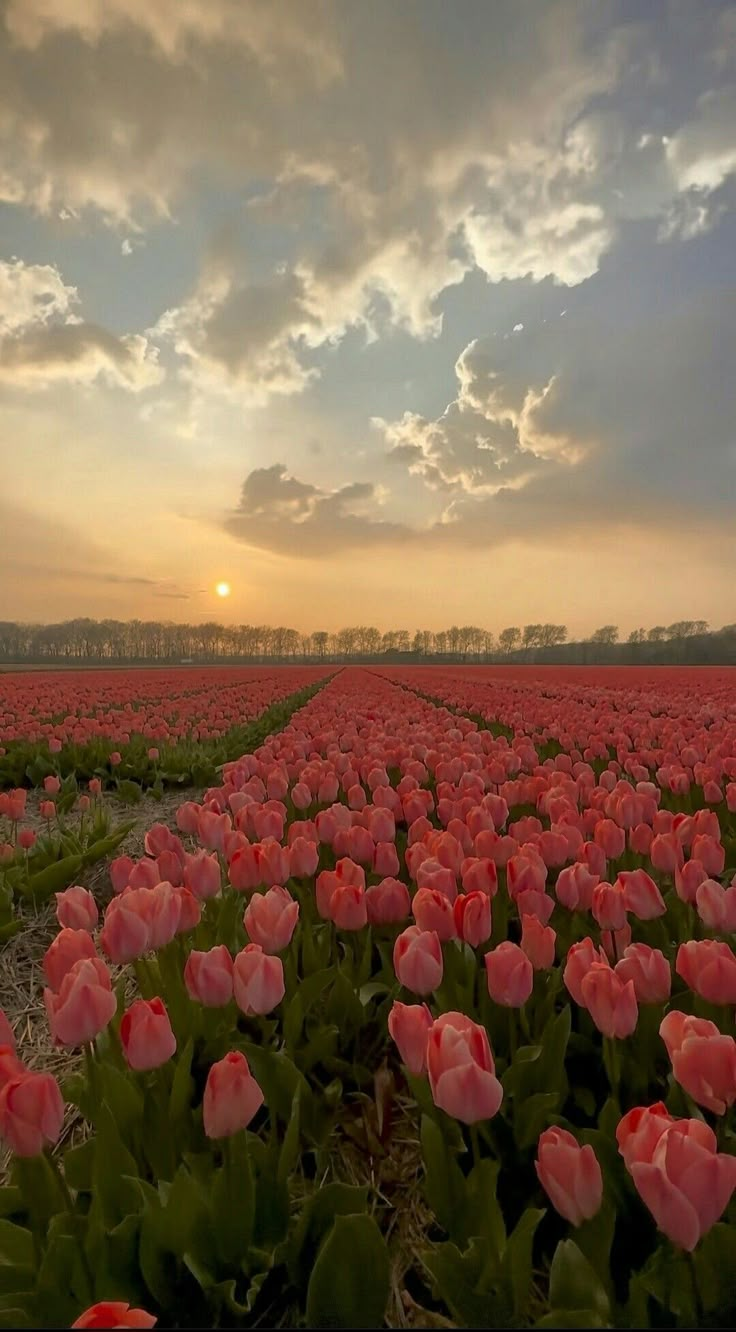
{"points": [[409, 312]]}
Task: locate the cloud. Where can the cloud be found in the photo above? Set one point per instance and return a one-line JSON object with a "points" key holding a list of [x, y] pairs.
{"points": [[281, 513], [37, 350], [78, 353], [591, 433], [244, 336], [378, 206], [32, 294], [702, 153], [176, 27]]}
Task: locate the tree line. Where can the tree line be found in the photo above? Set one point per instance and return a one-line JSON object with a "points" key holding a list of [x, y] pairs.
{"points": [[102, 642]]}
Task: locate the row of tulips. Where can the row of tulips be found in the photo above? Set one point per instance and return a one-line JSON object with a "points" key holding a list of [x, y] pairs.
{"points": [[573, 1044], [152, 727]]}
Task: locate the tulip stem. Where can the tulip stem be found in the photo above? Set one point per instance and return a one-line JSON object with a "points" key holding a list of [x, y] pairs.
{"points": [[70, 1208], [91, 1069], [697, 1302], [475, 1144], [512, 1034], [612, 1062]]}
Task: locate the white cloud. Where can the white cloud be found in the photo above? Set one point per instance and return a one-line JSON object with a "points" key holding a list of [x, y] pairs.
{"points": [[702, 153], [43, 340], [78, 353], [32, 294]]}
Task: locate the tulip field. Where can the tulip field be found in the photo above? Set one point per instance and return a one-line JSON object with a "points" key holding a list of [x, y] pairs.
{"points": [[418, 1010]]}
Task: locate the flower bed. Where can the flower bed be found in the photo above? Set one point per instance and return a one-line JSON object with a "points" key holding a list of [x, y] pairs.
{"points": [[386, 914]]}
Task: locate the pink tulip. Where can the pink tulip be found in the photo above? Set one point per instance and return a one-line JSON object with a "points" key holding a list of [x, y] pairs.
{"points": [[510, 975], [120, 872], [144, 874], [245, 870], [84, 1004], [580, 958], [76, 909], [610, 1001], [716, 906], [532, 903], [125, 934], [703, 1060], [258, 980], [649, 971], [688, 880], [538, 942], [479, 874], [202, 875], [303, 858], [438, 878], [638, 1133], [231, 1096], [385, 859], [472, 916], [432, 910], [524, 872], [26, 839], [574, 887], [681, 1177], [570, 1175], [610, 838], [409, 1026], [609, 910], [31, 1113], [208, 976], [417, 960], [666, 853], [461, 1069], [387, 902], [270, 919], [641, 894], [146, 1035], [163, 914], [187, 817], [708, 966], [710, 853], [63, 951]]}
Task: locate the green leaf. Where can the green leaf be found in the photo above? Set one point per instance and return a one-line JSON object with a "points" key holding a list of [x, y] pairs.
{"points": [[350, 1281], [317, 1215], [289, 1154], [532, 1115], [79, 1164], [572, 1318], [11, 1200], [444, 1182], [573, 1283], [483, 1216], [457, 1278], [53, 879], [62, 1287], [518, 1258], [183, 1084], [16, 1245], [233, 1203]]}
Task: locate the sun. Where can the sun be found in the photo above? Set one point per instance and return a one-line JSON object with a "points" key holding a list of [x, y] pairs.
{"points": [[223, 589]]}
